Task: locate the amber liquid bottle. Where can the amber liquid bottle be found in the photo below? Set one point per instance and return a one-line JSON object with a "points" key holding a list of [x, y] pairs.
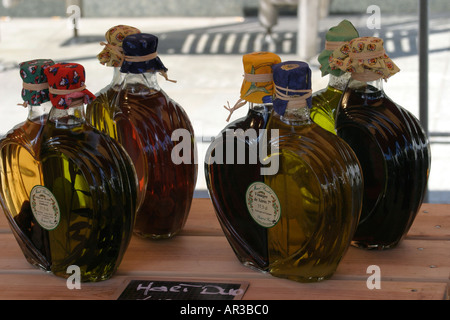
{"points": [[91, 184], [144, 119], [228, 179], [20, 172], [395, 158]]}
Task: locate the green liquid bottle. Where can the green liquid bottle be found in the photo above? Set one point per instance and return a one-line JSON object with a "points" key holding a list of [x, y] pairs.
{"points": [[326, 101], [316, 195], [88, 198]]}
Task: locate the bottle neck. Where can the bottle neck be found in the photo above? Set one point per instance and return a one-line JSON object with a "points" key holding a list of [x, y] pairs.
{"points": [[68, 118], [297, 116], [339, 82], [369, 86], [141, 83], [39, 114], [260, 107]]}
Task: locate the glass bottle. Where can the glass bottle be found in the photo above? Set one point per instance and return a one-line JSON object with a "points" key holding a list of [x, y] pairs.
{"points": [[87, 199], [229, 175], [100, 112], [391, 146], [158, 136], [20, 165], [326, 100], [316, 195]]}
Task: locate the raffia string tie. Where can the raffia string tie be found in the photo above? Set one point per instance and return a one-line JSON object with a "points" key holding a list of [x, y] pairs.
{"points": [[65, 92], [263, 77], [294, 101], [76, 102], [366, 76], [239, 104], [35, 86], [333, 45], [148, 57], [367, 55]]}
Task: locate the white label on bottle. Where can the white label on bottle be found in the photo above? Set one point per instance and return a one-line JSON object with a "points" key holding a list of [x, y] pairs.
{"points": [[263, 204], [44, 207]]}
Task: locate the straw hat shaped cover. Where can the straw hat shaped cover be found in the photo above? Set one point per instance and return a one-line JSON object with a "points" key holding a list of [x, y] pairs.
{"points": [[66, 84], [112, 54], [366, 57], [35, 83], [335, 38]]}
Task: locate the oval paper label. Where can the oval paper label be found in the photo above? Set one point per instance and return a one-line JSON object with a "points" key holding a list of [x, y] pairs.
{"points": [[263, 204], [44, 207]]}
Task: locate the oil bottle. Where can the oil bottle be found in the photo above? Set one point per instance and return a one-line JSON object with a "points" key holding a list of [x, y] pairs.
{"points": [[232, 162], [325, 101], [389, 141], [314, 201], [87, 200], [21, 167]]}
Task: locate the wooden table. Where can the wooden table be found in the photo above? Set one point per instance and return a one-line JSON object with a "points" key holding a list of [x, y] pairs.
{"points": [[418, 269]]}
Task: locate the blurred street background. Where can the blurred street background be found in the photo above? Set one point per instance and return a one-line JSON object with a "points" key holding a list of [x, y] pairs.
{"points": [[202, 43]]}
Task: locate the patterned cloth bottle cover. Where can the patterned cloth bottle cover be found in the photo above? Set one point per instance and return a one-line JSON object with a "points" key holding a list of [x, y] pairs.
{"points": [[67, 86], [365, 58], [35, 84], [257, 86], [141, 55], [112, 55], [335, 38], [292, 80]]}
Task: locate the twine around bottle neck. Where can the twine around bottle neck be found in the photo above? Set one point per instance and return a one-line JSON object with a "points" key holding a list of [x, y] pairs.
{"points": [[295, 100]]}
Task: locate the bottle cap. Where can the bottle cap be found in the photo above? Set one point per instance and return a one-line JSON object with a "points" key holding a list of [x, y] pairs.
{"points": [[35, 84], [112, 54], [257, 86], [336, 37], [141, 54], [258, 77], [365, 58], [292, 80], [67, 86]]}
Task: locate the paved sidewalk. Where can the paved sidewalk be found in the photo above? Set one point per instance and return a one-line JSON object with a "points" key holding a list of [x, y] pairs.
{"points": [[205, 56]]}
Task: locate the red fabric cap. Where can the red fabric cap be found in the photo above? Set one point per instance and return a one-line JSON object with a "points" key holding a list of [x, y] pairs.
{"points": [[69, 80]]}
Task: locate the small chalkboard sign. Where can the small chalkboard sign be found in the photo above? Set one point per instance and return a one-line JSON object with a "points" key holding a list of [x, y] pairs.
{"points": [[181, 290]]}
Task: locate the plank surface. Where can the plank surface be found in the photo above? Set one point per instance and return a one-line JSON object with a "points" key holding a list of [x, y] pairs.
{"points": [[417, 269]]}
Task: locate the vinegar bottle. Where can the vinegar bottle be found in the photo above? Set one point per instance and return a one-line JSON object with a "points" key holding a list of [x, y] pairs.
{"points": [[314, 200], [20, 167], [87, 199], [100, 112], [230, 172], [390, 144], [158, 136], [325, 101]]}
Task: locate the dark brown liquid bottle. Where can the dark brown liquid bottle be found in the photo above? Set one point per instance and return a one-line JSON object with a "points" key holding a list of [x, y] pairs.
{"points": [[234, 162], [395, 158], [228, 180]]}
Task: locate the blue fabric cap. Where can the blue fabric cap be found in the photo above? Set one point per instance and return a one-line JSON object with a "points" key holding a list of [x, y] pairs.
{"points": [[292, 75], [139, 45]]}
